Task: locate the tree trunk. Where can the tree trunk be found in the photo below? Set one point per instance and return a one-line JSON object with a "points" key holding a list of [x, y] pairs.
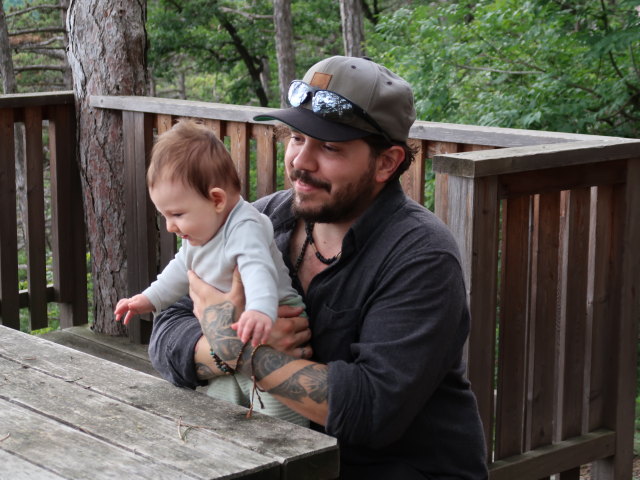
{"points": [[107, 55], [6, 63], [67, 75], [351, 14], [9, 85], [284, 46]]}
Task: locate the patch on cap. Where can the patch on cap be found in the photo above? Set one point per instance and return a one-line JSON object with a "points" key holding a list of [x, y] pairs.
{"points": [[321, 80]]}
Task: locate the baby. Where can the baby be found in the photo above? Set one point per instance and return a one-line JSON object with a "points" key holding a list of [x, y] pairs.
{"points": [[194, 184]]}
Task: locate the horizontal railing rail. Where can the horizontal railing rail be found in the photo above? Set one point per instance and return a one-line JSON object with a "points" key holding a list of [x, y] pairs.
{"points": [[42, 126]]}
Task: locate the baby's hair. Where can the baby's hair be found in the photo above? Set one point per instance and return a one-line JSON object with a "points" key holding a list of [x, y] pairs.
{"points": [[192, 154]]}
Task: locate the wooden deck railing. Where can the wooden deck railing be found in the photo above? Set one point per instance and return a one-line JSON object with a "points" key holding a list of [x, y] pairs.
{"points": [[548, 228], [42, 116]]}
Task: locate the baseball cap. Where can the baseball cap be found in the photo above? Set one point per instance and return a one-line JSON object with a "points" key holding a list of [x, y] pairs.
{"points": [[383, 95]]}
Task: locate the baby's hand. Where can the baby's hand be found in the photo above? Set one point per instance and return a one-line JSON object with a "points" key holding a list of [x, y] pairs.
{"points": [[135, 305], [254, 326]]}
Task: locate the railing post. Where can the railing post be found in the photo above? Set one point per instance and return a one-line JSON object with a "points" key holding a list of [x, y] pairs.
{"points": [[471, 209], [9, 294], [621, 418], [140, 214], [67, 219]]}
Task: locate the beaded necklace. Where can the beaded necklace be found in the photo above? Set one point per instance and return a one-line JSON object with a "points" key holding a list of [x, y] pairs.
{"points": [[308, 229]]}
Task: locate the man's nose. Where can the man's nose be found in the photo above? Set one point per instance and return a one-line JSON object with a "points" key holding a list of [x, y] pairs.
{"points": [[304, 158]]}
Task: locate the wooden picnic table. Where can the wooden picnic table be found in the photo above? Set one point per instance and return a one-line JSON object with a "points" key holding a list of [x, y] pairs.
{"points": [[65, 414]]}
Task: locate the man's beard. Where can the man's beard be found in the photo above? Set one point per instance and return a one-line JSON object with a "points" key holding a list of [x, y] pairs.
{"points": [[344, 205]]}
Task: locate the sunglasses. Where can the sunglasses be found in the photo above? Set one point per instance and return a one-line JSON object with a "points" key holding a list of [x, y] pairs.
{"points": [[329, 105]]}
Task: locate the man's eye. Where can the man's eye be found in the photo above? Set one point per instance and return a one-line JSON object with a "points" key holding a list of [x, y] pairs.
{"points": [[330, 147]]}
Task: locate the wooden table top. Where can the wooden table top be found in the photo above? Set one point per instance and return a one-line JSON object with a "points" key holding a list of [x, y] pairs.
{"points": [[68, 415]]}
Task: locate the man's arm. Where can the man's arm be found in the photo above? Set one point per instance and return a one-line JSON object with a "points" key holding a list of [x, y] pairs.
{"points": [[299, 384]]}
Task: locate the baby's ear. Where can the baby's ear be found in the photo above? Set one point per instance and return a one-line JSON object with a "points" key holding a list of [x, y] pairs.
{"points": [[219, 198]]}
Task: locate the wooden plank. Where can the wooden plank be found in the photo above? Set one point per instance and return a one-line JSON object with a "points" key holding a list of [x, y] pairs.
{"points": [[20, 469], [473, 217], [140, 215], [154, 395], [164, 123], [563, 178], [622, 419], [115, 349], [9, 288], [239, 138], [537, 157], [573, 310], [512, 359], [441, 204], [67, 220], [605, 259], [158, 439], [218, 127], [542, 324], [413, 179], [35, 230], [573, 317], [605, 263], [555, 458], [167, 240], [38, 439], [265, 159], [38, 99]]}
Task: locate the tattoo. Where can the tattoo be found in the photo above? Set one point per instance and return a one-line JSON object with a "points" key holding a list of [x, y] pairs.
{"points": [[216, 327], [310, 381], [203, 371]]}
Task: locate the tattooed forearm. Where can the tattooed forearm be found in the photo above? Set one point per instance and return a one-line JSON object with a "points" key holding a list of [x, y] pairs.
{"points": [[216, 326], [310, 381], [204, 372]]}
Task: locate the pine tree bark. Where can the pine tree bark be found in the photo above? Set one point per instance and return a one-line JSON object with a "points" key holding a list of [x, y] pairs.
{"points": [[351, 13], [284, 47], [6, 62], [107, 55]]}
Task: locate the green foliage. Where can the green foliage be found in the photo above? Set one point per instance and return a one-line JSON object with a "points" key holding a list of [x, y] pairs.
{"points": [[538, 64], [35, 46]]}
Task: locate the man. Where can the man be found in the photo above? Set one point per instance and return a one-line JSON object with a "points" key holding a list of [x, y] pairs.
{"points": [[381, 280]]}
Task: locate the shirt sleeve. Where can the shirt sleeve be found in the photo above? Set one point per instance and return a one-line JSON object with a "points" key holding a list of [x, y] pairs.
{"points": [[171, 284], [412, 334], [249, 244]]}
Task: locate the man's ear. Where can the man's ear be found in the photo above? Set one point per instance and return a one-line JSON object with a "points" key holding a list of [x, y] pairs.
{"points": [[388, 162], [219, 198]]}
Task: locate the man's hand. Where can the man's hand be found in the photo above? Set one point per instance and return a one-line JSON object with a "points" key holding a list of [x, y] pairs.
{"points": [[290, 333]]}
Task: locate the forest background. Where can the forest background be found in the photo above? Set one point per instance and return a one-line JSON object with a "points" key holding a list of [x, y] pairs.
{"points": [[555, 65]]}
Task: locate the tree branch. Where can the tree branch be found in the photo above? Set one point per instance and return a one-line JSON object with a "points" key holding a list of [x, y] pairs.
{"points": [[37, 7], [37, 30], [248, 16], [26, 68], [497, 70]]}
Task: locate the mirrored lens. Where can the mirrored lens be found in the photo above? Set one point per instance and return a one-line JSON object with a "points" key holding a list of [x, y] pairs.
{"points": [[298, 93], [332, 106]]}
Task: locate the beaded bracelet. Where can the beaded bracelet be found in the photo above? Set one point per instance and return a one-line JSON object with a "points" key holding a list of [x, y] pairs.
{"points": [[223, 366]]}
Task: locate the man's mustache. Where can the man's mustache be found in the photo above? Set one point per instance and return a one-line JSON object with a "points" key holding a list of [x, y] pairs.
{"points": [[304, 176]]}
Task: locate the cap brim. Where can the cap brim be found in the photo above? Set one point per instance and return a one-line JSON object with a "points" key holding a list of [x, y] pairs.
{"points": [[308, 123]]}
